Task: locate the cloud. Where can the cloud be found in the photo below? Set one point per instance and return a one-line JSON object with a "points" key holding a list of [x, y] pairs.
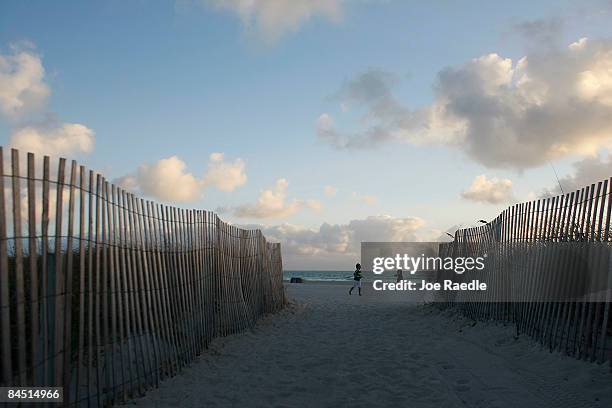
{"points": [[365, 199], [54, 140], [22, 86], [326, 131], [225, 176], [23, 95], [128, 182], [373, 87], [492, 191], [296, 239], [585, 172], [385, 228], [552, 103], [543, 30], [370, 90], [271, 19], [330, 191], [344, 238], [314, 204], [271, 203], [338, 245], [166, 179]]}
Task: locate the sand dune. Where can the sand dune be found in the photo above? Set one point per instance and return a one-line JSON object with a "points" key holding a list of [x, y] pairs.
{"points": [[329, 349]]}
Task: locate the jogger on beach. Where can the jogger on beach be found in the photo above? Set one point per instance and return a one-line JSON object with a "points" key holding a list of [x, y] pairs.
{"points": [[357, 279]]}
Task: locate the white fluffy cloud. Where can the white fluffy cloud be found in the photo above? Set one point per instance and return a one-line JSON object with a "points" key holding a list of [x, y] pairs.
{"points": [[271, 203], [22, 83], [365, 199], [330, 191], [23, 95], [345, 238], [338, 245], [271, 19], [168, 179], [225, 176], [492, 191], [54, 140], [314, 204], [503, 113]]}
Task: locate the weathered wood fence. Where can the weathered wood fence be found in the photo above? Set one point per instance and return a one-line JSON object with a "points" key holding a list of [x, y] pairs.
{"points": [[107, 294], [548, 268]]}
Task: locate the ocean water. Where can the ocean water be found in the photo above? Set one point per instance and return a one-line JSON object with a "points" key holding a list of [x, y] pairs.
{"points": [[326, 276], [319, 275]]}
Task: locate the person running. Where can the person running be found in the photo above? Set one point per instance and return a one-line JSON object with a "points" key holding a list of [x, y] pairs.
{"points": [[400, 275], [357, 278]]}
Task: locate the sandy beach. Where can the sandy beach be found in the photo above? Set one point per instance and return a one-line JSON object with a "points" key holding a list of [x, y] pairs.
{"points": [[329, 349]]}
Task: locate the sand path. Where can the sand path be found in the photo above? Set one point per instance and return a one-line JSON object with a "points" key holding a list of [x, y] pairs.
{"points": [[332, 350]]}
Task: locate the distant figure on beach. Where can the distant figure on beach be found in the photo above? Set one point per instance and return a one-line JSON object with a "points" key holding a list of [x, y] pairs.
{"points": [[400, 276], [357, 278]]}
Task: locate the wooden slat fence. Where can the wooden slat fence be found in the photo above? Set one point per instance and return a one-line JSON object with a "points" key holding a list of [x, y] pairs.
{"points": [[106, 294], [548, 270]]}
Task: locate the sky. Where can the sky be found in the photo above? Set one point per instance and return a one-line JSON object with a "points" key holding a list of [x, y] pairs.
{"points": [[323, 122]]}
